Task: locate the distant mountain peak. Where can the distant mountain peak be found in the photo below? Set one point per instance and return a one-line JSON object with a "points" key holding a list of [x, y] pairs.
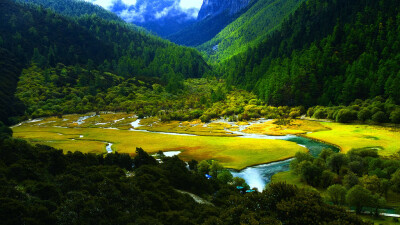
{"points": [[215, 7]]}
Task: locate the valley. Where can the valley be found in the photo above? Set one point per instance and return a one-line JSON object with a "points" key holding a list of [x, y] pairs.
{"points": [[184, 112], [256, 150]]}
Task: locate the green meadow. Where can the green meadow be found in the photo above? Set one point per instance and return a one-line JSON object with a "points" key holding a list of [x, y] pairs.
{"points": [[213, 142], [353, 136], [232, 152]]}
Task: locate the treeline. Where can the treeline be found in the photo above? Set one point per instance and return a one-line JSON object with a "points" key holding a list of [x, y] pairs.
{"points": [[375, 110], [327, 52], [41, 185], [74, 8], [35, 35], [359, 178], [252, 27], [74, 89], [10, 70], [28, 31]]}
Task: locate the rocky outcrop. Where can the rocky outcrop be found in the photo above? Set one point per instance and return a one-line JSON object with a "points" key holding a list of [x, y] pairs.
{"points": [[215, 7]]}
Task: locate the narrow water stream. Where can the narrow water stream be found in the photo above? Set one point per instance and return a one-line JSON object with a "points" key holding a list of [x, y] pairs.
{"points": [[260, 175]]}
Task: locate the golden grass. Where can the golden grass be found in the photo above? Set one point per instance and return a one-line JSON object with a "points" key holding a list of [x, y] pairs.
{"points": [[194, 127], [350, 136], [295, 127], [232, 152], [61, 138]]}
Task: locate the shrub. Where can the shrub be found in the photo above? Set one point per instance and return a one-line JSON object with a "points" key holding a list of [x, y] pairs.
{"points": [[320, 114], [337, 194], [310, 112], [346, 115], [395, 116], [379, 117], [364, 114], [205, 118]]}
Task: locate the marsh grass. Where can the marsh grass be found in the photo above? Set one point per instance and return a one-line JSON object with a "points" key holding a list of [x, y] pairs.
{"points": [[232, 152], [352, 136], [294, 127]]}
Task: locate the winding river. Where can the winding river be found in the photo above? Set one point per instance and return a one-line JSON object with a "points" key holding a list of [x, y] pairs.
{"points": [[260, 175], [255, 176]]}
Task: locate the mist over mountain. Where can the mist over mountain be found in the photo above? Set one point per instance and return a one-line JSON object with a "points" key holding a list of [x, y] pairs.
{"points": [[215, 7], [213, 17], [163, 17]]}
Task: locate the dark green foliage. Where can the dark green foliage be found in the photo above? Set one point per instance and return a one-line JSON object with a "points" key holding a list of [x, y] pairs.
{"points": [[395, 116], [346, 115], [311, 174], [368, 152], [395, 180], [93, 189], [379, 117], [27, 36], [5, 132], [337, 194], [10, 70], [336, 161], [359, 197], [74, 8], [142, 158], [364, 114], [327, 52], [375, 110], [258, 20]]}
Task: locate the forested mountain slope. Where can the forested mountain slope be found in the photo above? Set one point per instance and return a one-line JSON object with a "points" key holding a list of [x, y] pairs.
{"points": [[327, 52], [74, 8], [10, 69], [208, 26], [41, 185], [249, 29], [93, 43]]}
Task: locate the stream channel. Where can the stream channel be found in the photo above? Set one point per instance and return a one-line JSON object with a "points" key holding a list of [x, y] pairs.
{"points": [[260, 175]]}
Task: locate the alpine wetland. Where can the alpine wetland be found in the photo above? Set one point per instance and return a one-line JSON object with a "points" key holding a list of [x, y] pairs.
{"points": [[186, 112]]}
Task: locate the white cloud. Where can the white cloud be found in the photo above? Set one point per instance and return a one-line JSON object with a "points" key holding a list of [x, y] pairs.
{"points": [[108, 3], [190, 4], [129, 2], [140, 11]]}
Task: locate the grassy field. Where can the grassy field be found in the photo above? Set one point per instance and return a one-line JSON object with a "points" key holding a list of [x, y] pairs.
{"points": [[194, 127], [351, 136], [294, 127], [232, 152], [214, 143]]}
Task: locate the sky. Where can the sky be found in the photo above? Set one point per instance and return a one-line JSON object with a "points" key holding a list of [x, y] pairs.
{"points": [[142, 10]]}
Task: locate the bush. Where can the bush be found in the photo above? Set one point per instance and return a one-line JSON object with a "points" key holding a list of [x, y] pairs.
{"points": [[346, 116], [320, 114], [395, 116], [310, 112], [379, 117], [205, 118], [337, 194], [364, 114]]}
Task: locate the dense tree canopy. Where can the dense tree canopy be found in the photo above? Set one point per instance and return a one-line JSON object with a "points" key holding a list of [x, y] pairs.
{"points": [[327, 52]]}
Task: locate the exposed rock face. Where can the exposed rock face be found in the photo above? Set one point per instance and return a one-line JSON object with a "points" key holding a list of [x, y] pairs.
{"points": [[215, 7]]}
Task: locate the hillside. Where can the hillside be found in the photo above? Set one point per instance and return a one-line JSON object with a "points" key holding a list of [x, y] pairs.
{"points": [[93, 43], [10, 69], [327, 52], [249, 29], [208, 26], [73, 8]]}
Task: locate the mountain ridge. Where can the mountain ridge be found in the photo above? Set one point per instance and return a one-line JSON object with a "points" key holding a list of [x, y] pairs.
{"points": [[215, 7]]}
